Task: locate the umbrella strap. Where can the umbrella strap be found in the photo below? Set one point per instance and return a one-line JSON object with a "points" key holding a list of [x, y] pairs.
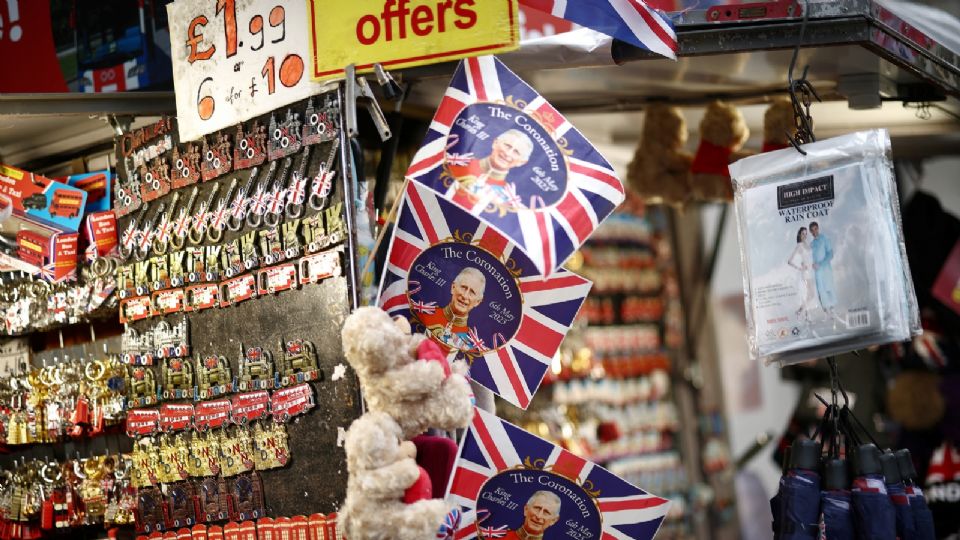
{"points": [[806, 529]]}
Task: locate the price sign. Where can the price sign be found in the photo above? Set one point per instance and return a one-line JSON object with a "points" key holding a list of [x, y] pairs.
{"points": [[236, 60], [405, 33]]}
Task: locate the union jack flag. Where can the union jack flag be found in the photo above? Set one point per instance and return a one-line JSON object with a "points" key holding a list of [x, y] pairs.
{"points": [[298, 189], [515, 365], [129, 235], [163, 229], [182, 224], [323, 181], [200, 219], [275, 201], [258, 202], [632, 21], [238, 206], [493, 446], [219, 217], [584, 190]]}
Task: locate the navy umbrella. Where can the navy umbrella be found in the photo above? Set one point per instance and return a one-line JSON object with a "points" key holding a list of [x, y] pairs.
{"points": [[800, 492], [873, 513], [775, 501], [906, 530], [922, 517], [836, 514]]}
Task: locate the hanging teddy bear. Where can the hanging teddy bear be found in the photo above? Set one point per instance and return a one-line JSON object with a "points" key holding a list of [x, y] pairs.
{"points": [[660, 169], [723, 131]]}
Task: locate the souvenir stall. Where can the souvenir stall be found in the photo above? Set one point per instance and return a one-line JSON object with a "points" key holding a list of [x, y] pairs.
{"points": [[300, 293]]}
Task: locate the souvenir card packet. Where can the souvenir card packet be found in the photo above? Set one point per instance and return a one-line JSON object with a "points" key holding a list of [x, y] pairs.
{"points": [[824, 265]]}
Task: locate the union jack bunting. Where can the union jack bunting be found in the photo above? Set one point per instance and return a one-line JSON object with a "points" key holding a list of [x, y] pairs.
{"points": [[632, 21], [478, 296], [501, 469], [499, 150]]}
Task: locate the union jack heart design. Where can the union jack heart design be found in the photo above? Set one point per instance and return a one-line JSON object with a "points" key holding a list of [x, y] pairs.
{"points": [[499, 150], [501, 469], [478, 296]]}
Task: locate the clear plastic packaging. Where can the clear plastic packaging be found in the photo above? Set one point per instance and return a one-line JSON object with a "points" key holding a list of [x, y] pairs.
{"points": [[824, 264]]}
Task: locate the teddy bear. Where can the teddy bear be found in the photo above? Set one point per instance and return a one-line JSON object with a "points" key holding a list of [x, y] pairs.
{"points": [[406, 375], [387, 492], [778, 122], [660, 169], [723, 131]]}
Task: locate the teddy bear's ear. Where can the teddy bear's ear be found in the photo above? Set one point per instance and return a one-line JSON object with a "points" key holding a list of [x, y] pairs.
{"points": [[371, 340], [403, 325]]}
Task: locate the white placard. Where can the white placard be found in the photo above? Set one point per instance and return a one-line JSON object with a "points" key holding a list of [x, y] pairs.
{"points": [[233, 60]]}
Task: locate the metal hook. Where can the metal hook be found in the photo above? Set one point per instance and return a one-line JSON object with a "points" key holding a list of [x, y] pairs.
{"points": [[801, 91]]}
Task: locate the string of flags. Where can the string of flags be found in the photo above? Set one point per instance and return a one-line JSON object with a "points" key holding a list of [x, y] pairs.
{"points": [[502, 192]]}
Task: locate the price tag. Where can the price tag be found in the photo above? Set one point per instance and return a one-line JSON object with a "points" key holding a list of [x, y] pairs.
{"points": [[236, 60]]}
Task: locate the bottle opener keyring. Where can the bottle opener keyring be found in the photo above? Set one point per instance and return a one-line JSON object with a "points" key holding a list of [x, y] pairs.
{"points": [[218, 219], [128, 241], [257, 203], [323, 182], [278, 195], [203, 215], [145, 238], [297, 193], [182, 224], [162, 236], [238, 209]]}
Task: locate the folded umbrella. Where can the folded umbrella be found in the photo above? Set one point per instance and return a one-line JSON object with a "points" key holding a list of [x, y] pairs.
{"points": [[873, 513], [906, 529], [836, 515], [922, 516], [800, 492]]}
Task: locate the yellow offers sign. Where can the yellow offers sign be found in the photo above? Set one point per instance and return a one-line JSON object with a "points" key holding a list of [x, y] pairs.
{"points": [[405, 33]]}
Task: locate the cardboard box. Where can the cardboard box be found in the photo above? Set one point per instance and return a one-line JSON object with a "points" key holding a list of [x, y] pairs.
{"points": [[39, 235], [100, 235], [97, 184]]}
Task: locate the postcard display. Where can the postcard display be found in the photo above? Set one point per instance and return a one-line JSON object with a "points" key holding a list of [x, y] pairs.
{"points": [[233, 293], [824, 264]]}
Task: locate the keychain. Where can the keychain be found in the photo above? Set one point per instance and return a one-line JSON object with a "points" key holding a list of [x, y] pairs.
{"points": [[128, 240], [199, 227], [297, 193], [256, 369], [218, 220], [258, 201], [186, 166], [278, 195], [238, 209], [249, 149], [285, 136], [217, 159], [322, 185], [181, 226], [162, 236]]}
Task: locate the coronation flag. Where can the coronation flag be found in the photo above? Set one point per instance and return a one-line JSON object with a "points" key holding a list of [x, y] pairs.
{"points": [[632, 21], [502, 468], [478, 296], [496, 148]]}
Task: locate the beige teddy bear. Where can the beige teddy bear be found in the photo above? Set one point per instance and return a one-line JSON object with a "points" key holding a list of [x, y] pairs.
{"points": [[381, 470], [660, 170], [723, 131], [778, 122], [397, 376]]}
